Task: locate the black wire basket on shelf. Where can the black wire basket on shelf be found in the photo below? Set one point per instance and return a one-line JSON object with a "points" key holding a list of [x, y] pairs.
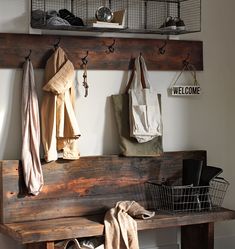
{"points": [[176, 198], [129, 16]]}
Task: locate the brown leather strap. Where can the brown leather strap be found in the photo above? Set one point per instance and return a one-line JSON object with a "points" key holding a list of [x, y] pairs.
{"points": [[130, 80], [132, 76], [142, 75]]}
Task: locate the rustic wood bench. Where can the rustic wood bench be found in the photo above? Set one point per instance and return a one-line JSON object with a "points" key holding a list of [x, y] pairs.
{"points": [[77, 194]]}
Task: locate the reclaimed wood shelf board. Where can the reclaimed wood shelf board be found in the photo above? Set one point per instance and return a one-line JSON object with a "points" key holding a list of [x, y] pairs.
{"points": [[79, 227], [15, 47]]}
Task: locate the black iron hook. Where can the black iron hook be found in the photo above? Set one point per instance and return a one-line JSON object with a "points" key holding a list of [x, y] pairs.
{"points": [[56, 45], [186, 60], [84, 59], [111, 48], [28, 56], [162, 49]]}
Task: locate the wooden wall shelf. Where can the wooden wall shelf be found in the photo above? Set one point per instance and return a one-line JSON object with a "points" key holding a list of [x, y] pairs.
{"points": [[15, 47]]}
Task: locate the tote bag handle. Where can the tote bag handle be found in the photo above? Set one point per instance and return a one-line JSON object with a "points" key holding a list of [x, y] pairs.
{"points": [[142, 73], [66, 243], [142, 76]]}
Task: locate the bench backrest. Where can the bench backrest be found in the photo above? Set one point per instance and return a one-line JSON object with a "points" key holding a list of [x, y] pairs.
{"points": [[89, 185]]}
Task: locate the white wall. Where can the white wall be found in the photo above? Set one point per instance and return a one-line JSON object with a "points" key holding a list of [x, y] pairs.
{"points": [[204, 122]]}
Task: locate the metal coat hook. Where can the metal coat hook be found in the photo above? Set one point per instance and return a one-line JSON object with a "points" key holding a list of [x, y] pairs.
{"points": [[84, 59], [111, 48], [56, 45], [28, 56], [162, 49], [186, 60]]}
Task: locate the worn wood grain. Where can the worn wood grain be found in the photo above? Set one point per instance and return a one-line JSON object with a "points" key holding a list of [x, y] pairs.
{"points": [[77, 194], [198, 236], [79, 227], [15, 47], [42, 245], [86, 186]]}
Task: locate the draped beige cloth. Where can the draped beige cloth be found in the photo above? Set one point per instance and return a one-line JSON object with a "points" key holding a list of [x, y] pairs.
{"points": [[121, 228], [59, 125], [30, 155]]}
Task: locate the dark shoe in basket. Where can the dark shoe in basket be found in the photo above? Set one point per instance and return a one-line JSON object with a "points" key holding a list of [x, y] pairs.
{"points": [[192, 169], [71, 18], [192, 172], [208, 174]]}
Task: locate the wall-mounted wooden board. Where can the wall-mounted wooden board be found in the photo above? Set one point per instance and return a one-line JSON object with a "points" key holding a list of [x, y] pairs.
{"points": [[14, 48]]}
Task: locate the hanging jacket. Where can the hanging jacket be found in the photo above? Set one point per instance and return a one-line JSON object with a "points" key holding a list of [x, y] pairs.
{"points": [[30, 156], [59, 125]]}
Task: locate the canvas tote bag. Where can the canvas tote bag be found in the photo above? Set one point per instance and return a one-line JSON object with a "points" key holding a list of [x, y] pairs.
{"points": [[145, 115], [129, 146]]}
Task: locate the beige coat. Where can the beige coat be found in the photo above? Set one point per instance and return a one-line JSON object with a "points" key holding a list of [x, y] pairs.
{"points": [[59, 125]]}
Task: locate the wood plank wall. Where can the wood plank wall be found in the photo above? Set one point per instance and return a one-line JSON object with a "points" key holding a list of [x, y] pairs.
{"points": [[15, 47], [86, 186]]}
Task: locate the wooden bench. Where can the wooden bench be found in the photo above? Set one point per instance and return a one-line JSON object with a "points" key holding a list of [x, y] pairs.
{"points": [[77, 194]]}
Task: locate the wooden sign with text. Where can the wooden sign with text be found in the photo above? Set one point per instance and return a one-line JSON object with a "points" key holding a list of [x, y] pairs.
{"points": [[185, 90]]}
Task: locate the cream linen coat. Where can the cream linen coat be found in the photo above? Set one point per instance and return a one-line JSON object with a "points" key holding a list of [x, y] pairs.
{"points": [[59, 125]]}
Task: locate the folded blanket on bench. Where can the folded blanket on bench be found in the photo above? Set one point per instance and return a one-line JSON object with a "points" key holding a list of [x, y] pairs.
{"points": [[121, 228]]}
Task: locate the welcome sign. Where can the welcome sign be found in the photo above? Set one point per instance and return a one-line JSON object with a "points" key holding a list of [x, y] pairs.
{"points": [[185, 90]]}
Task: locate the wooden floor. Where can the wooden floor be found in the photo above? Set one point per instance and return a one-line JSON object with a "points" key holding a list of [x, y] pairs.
{"points": [[78, 227]]}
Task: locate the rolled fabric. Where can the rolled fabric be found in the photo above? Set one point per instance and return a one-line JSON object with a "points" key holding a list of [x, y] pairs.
{"points": [[57, 21]]}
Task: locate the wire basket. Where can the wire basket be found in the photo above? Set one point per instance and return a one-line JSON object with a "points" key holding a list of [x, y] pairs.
{"points": [[141, 16], [174, 199]]}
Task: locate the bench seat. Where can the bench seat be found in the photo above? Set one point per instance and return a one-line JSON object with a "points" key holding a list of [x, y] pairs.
{"points": [[86, 226]]}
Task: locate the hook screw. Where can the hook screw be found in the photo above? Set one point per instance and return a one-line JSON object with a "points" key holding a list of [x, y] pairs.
{"points": [[84, 59], [56, 45], [28, 56], [162, 49], [186, 60], [111, 48]]}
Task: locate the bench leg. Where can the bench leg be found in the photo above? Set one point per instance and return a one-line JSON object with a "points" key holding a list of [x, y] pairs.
{"points": [[197, 236], [43, 245]]}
